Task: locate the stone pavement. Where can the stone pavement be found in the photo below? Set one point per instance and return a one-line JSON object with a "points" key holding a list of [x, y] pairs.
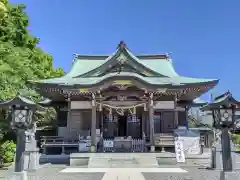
{"points": [[56, 172]]}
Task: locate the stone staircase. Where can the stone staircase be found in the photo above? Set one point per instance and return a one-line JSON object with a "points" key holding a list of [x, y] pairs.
{"points": [[123, 160]]}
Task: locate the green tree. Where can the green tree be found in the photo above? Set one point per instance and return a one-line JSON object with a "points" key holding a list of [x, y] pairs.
{"points": [[20, 58]]}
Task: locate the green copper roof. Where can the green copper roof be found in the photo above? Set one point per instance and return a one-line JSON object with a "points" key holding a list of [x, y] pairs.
{"points": [[152, 69], [20, 100], [161, 66], [177, 80], [82, 66], [16, 100], [199, 101], [225, 99]]}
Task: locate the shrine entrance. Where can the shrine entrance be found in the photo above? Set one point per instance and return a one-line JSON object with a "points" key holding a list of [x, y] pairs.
{"points": [[122, 125]]}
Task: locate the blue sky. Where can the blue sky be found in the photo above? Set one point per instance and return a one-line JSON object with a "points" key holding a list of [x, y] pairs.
{"points": [[203, 36]]}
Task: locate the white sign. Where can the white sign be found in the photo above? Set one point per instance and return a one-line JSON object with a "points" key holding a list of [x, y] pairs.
{"points": [[180, 156], [84, 145], [81, 105], [164, 105], [108, 143], [98, 132]]}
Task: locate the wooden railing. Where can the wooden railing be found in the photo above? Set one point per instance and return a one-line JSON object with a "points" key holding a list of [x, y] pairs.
{"points": [[131, 145], [164, 140], [56, 141]]}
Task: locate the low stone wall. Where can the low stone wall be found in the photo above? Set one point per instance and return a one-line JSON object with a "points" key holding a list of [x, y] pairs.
{"points": [[54, 159], [163, 159]]}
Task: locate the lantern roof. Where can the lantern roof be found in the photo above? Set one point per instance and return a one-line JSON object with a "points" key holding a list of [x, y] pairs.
{"points": [[225, 99], [44, 102], [20, 100]]}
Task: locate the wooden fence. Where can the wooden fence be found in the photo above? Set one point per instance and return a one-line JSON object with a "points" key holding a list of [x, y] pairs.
{"points": [[123, 145]]}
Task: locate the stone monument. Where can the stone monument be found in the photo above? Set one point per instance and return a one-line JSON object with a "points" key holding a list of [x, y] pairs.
{"points": [[31, 154]]}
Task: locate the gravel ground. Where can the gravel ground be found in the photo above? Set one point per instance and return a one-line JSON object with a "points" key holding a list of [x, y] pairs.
{"points": [[53, 173]]}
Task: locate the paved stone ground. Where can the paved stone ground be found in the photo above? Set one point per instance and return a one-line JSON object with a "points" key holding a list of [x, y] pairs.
{"points": [[53, 173]]}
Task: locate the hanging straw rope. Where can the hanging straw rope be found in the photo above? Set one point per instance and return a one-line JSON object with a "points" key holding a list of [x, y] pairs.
{"points": [[120, 109]]}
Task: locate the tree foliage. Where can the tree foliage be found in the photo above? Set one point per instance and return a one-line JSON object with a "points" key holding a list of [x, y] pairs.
{"points": [[193, 122], [20, 57]]}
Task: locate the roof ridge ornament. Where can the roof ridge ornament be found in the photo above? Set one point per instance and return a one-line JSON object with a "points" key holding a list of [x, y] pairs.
{"points": [[169, 57], [75, 56], [122, 45]]}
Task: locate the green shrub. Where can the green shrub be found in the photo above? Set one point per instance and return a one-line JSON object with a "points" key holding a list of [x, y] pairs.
{"points": [[7, 151], [236, 140]]}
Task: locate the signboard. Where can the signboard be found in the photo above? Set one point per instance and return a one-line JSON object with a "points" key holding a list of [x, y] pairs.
{"points": [[180, 156], [164, 105], [108, 143], [81, 105], [84, 145], [122, 82], [83, 90]]}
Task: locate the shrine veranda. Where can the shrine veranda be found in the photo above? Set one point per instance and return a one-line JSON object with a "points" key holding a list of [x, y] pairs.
{"points": [[122, 99]]}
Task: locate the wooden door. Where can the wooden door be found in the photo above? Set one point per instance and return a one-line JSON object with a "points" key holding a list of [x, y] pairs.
{"points": [[167, 122]]}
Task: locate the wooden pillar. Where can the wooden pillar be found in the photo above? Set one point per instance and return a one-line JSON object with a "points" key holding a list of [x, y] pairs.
{"points": [[93, 125], [101, 122], [69, 113], [151, 121], [100, 98], [144, 120], [143, 123], [175, 112]]}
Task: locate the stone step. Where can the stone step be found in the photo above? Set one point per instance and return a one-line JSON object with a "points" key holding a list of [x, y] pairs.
{"points": [[123, 160]]}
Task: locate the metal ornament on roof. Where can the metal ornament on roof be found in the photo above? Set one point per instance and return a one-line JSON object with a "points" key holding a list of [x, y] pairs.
{"points": [[122, 45]]}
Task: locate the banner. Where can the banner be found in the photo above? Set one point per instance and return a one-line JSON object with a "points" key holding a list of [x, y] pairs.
{"points": [[180, 156]]}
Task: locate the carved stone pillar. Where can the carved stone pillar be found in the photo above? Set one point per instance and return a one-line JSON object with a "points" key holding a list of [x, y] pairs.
{"points": [[93, 125], [151, 122]]}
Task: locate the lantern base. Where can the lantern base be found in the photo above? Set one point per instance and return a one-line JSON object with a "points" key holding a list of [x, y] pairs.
{"points": [[92, 149], [218, 157], [18, 175], [31, 160]]}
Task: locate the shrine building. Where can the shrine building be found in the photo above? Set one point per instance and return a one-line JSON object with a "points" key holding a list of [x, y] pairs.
{"points": [[122, 95]]}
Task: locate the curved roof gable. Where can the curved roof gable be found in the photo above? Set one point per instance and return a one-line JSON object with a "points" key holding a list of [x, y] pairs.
{"points": [[94, 66]]}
